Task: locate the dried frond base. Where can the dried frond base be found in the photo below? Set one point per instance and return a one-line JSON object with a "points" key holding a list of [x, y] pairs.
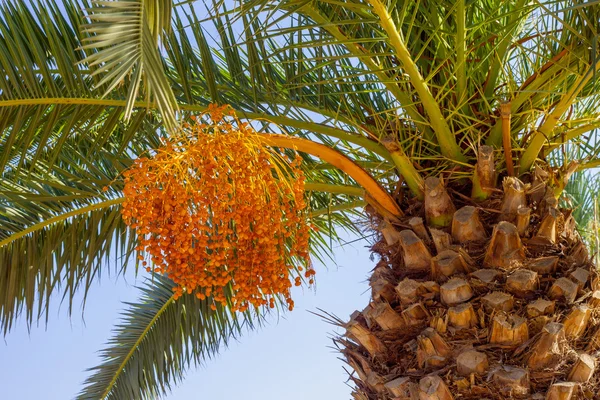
{"points": [[505, 315]]}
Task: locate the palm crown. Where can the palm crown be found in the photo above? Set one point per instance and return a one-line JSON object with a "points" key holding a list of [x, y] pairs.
{"points": [[391, 88]]}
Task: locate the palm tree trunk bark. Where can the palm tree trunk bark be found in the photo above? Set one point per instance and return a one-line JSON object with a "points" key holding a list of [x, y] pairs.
{"points": [[496, 300]]}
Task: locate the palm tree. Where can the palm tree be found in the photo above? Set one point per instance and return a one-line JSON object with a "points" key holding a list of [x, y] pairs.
{"points": [[451, 127]]}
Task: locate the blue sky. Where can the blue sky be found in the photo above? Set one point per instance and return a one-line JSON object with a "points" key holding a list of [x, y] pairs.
{"points": [[288, 359]]}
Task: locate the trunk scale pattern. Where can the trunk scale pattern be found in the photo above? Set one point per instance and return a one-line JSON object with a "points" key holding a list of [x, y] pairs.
{"points": [[478, 300]]}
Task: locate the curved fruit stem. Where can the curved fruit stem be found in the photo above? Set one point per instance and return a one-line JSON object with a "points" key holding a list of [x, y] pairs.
{"points": [[338, 189], [372, 188]]}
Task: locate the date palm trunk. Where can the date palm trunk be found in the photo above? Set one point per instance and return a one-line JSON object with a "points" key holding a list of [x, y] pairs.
{"points": [[489, 300]]}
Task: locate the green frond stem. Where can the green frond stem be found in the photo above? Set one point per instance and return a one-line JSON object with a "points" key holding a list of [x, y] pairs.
{"points": [[372, 188], [135, 347], [59, 218], [339, 207], [69, 100], [377, 70], [336, 189], [337, 133], [545, 130], [502, 50], [571, 134], [444, 135], [549, 75], [589, 165], [461, 66], [374, 165], [406, 168]]}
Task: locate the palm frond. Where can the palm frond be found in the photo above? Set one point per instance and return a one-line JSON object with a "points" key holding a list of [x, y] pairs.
{"points": [[528, 53], [62, 255], [582, 191], [580, 194], [158, 339], [63, 101], [61, 145], [50, 111], [125, 35]]}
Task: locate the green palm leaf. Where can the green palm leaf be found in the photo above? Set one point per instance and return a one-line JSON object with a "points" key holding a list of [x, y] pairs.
{"points": [[50, 111], [61, 254], [158, 339], [470, 63], [126, 35]]}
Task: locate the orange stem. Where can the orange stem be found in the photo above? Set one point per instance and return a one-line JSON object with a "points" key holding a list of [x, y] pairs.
{"points": [[376, 193]]}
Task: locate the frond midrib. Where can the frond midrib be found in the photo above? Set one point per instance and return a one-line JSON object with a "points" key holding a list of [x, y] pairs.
{"points": [[59, 218], [135, 346], [277, 119]]}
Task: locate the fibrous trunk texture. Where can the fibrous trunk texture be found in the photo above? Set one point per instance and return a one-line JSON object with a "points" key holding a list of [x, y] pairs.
{"points": [[492, 299]]}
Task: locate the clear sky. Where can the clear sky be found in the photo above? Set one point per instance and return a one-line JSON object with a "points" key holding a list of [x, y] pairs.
{"points": [[288, 359]]}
